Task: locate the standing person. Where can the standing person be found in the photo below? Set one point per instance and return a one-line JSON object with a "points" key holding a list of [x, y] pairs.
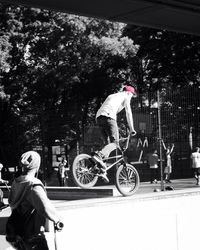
{"points": [[195, 157], [168, 167], [61, 172], [30, 207], [106, 119], [2, 205], [152, 160]]}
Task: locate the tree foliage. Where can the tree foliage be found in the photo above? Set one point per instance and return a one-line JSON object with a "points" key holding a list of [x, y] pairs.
{"points": [[59, 69], [170, 62], [167, 59]]}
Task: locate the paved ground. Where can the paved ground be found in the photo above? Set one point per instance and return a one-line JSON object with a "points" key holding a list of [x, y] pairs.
{"points": [[146, 191]]}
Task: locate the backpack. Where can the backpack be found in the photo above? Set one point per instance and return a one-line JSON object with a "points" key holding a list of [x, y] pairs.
{"points": [[23, 230]]}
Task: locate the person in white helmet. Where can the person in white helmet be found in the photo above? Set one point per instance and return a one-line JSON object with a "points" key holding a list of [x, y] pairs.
{"points": [[106, 118], [30, 207]]}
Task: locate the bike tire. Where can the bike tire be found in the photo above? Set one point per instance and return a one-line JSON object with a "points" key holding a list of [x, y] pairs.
{"points": [[127, 179], [82, 171]]}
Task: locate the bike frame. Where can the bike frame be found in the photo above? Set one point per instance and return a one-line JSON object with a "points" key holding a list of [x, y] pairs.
{"points": [[121, 158], [86, 171], [118, 157]]}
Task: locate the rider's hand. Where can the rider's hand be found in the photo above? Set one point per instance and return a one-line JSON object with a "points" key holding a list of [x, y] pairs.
{"points": [[59, 226], [133, 133]]}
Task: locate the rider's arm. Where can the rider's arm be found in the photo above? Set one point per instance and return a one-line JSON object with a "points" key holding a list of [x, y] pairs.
{"points": [[164, 145], [172, 148], [38, 198], [129, 115]]}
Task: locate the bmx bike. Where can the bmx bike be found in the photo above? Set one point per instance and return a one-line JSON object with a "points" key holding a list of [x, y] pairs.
{"points": [[86, 173]]}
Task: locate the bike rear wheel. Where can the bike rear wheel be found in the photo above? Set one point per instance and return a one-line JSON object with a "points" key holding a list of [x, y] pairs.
{"points": [[127, 179], [82, 171]]}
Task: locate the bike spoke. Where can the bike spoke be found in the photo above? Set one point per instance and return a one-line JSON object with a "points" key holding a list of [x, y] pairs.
{"points": [[127, 178], [83, 172], [87, 178]]}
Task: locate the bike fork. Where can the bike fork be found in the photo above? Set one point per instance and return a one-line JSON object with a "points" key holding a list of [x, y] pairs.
{"points": [[55, 240]]}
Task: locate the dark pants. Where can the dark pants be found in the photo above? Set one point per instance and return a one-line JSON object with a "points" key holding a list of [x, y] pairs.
{"points": [[61, 180], [109, 129], [153, 174], [197, 172]]}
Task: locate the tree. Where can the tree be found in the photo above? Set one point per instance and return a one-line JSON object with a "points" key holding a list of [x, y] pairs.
{"points": [[61, 66], [75, 61], [168, 59], [169, 62]]}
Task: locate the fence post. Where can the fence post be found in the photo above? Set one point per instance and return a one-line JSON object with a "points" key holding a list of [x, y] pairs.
{"points": [[160, 141]]}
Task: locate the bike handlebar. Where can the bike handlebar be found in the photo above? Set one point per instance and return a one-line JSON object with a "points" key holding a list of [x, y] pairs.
{"points": [[127, 140]]}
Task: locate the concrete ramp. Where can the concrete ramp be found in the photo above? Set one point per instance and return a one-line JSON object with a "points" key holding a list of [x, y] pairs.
{"points": [[166, 220], [72, 193], [161, 221]]}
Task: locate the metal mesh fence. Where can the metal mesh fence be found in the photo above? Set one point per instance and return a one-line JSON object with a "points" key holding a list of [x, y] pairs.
{"points": [[180, 118], [180, 124]]}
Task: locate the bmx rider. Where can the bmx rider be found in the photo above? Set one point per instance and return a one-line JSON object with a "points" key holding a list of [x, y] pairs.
{"points": [[106, 119]]}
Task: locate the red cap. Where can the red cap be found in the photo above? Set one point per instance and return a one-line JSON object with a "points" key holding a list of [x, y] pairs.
{"points": [[129, 88]]}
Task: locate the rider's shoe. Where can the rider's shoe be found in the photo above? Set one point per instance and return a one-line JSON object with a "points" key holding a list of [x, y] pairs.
{"points": [[104, 177], [98, 157], [92, 160]]}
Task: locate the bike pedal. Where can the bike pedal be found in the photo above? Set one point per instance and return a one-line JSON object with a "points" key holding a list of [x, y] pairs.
{"points": [[104, 177], [102, 171], [92, 161], [96, 170]]}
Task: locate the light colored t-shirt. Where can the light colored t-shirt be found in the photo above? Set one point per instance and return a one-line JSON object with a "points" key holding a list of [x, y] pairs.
{"points": [[115, 103], [169, 160], [195, 160], [61, 169]]}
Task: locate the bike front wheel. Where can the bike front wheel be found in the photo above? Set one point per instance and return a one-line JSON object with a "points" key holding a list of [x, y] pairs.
{"points": [[127, 179], [82, 171]]}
